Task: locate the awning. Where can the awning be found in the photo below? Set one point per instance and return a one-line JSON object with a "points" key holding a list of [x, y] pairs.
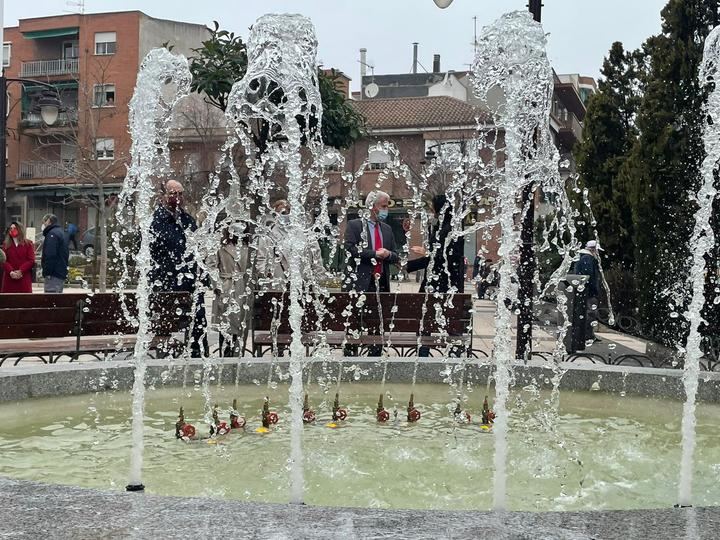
{"points": [[54, 32], [59, 85], [63, 190]]}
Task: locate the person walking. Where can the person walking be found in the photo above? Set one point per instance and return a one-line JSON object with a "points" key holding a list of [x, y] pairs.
{"points": [[72, 231], [589, 265], [231, 309], [55, 255], [272, 252], [483, 278], [19, 261], [174, 270]]}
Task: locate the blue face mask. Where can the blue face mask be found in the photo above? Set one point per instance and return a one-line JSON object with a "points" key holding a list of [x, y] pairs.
{"points": [[382, 215]]}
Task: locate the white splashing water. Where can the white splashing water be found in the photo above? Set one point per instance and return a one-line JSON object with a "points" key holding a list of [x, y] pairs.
{"points": [[150, 115], [280, 90], [702, 242], [513, 76]]}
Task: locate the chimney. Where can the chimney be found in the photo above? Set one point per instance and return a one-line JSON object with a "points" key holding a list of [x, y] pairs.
{"points": [[415, 54], [363, 63], [436, 63]]}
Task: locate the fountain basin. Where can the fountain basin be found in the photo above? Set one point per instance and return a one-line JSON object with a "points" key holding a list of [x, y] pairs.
{"points": [[604, 451]]}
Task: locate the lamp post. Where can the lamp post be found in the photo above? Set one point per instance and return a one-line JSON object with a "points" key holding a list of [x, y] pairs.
{"points": [[49, 105]]}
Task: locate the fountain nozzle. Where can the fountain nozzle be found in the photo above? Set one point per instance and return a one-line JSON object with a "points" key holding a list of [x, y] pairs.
{"points": [[183, 430], [338, 413], [488, 416], [381, 413], [268, 417], [413, 415], [236, 421], [308, 413]]}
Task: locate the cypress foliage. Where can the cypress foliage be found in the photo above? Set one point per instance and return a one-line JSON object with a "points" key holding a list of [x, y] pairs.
{"points": [[608, 136], [662, 171]]}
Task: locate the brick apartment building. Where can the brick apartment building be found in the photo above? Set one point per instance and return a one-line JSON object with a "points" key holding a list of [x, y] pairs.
{"points": [[93, 61], [420, 111]]}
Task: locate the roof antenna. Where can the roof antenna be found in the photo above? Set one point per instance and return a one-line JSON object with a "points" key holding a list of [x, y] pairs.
{"points": [[76, 6]]}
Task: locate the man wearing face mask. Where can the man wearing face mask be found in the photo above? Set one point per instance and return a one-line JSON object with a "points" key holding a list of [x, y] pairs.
{"points": [[370, 254], [174, 270]]}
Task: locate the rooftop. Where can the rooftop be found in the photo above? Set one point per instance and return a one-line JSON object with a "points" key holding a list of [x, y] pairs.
{"points": [[419, 112]]}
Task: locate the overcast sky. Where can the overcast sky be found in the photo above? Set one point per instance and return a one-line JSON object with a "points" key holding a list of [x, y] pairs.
{"points": [[580, 31]]}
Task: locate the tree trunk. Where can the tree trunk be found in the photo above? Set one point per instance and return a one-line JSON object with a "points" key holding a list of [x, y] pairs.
{"points": [[102, 231]]}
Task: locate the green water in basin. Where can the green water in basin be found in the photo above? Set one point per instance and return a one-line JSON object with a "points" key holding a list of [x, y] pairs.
{"points": [[601, 451]]}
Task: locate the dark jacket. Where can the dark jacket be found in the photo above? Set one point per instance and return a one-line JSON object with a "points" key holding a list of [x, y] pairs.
{"points": [[172, 269], [55, 252], [454, 265], [588, 266], [360, 261]]}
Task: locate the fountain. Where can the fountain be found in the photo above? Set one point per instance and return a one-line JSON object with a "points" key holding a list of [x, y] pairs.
{"points": [[548, 454]]}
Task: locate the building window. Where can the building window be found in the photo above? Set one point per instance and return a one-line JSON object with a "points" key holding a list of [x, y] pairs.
{"points": [[71, 50], [105, 43], [378, 160], [105, 149], [7, 52], [104, 95]]}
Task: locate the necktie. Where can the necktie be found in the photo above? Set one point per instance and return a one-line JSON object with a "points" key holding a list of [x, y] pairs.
{"points": [[378, 245]]}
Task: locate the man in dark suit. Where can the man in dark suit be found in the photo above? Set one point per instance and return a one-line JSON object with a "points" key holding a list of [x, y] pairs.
{"points": [[447, 271], [370, 247], [370, 256]]}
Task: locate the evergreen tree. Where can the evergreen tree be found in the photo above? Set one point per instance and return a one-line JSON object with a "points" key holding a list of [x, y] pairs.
{"points": [[609, 133], [662, 171]]}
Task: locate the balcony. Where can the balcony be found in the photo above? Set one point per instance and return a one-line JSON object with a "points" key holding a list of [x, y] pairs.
{"points": [[33, 121], [49, 68], [571, 129], [36, 170]]}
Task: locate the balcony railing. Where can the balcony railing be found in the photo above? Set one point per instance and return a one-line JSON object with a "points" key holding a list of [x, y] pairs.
{"points": [[32, 120], [30, 170], [567, 120], [44, 68]]}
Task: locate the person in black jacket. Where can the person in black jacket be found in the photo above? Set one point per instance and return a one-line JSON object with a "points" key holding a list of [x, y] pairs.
{"points": [[589, 265], [55, 255], [448, 257], [174, 270], [444, 261]]}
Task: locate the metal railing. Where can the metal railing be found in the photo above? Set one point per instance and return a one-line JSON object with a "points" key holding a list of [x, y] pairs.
{"points": [[40, 68], [29, 170], [567, 120], [34, 120]]}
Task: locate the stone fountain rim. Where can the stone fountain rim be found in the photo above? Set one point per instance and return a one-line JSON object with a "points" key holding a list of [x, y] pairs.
{"points": [[54, 380], [90, 512]]}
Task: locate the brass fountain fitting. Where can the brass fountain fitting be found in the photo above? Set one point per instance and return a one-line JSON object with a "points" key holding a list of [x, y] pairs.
{"points": [[308, 414], [382, 414], [179, 424], [338, 413], [488, 417], [413, 415], [266, 413]]}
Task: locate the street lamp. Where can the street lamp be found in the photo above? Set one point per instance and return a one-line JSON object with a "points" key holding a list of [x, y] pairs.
{"points": [[49, 105], [442, 4]]}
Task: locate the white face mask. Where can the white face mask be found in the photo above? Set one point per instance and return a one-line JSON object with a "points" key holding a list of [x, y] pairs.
{"points": [[42, 227]]}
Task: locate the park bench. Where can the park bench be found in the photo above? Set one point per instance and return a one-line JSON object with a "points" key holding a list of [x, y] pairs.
{"points": [[96, 323], [391, 320]]}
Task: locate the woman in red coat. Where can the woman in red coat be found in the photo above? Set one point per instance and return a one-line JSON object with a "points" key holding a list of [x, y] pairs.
{"points": [[20, 255]]}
